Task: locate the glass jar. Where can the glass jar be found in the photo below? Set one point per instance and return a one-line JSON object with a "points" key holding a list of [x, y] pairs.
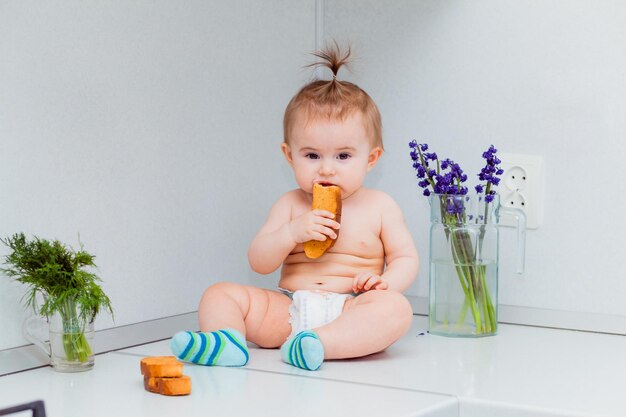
{"points": [[464, 237], [65, 337]]}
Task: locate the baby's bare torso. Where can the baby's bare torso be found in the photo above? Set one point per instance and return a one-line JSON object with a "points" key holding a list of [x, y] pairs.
{"points": [[358, 248]]}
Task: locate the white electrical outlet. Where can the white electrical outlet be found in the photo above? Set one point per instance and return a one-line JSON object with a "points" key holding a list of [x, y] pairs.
{"points": [[521, 187]]}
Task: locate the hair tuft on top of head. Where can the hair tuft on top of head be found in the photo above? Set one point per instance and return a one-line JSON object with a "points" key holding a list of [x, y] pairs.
{"points": [[333, 99], [332, 58]]}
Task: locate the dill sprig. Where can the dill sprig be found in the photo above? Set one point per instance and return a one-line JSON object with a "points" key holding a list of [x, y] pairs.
{"points": [[57, 272]]}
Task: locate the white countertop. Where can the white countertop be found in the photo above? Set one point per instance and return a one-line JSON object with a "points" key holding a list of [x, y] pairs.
{"points": [[523, 371]]}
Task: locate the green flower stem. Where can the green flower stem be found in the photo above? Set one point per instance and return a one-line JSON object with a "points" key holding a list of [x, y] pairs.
{"points": [[461, 273], [472, 278], [461, 255], [471, 275], [485, 308], [490, 310], [463, 277], [463, 313], [75, 343]]}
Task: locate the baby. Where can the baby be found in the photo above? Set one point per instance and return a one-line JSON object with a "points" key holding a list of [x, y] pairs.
{"points": [[348, 303]]}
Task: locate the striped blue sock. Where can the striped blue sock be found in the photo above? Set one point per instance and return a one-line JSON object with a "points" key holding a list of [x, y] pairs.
{"points": [[304, 350], [223, 347]]}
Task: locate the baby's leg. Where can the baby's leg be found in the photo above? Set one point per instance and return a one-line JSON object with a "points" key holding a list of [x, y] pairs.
{"points": [[228, 315], [369, 323]]}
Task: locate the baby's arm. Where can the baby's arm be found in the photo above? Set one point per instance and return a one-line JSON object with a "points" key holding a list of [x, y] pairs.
{"points": [[280, 234], [400, 252]]}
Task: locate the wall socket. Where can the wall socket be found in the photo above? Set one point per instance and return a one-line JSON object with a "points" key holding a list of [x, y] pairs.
{"points": [[521, 187]]}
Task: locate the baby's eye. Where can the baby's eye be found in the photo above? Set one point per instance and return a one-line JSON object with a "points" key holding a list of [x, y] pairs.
{"points": [[344, 155], [312, 155]]}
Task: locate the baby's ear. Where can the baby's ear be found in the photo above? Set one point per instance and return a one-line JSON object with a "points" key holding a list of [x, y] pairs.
{"points": [[287, 152], [373, 157]]}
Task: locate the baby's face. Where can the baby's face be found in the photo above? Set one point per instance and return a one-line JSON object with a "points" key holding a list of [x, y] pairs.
{"points": [[337, 152]]}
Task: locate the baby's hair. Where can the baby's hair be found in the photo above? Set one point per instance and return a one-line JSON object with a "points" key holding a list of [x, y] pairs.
{"points": [[333, 99]]}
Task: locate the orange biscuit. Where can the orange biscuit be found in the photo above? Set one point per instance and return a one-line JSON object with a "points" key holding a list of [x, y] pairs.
{"points": [[324, 198], [151, 384], [166, 369], [174, 386], [155, 360]]}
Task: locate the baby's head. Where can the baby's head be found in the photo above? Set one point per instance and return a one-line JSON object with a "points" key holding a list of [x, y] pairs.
{"points": [[332, 131], [333, 100]]}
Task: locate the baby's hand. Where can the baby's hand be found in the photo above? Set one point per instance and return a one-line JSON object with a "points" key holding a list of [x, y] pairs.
{"points": [[365, 281], [313, 225]]}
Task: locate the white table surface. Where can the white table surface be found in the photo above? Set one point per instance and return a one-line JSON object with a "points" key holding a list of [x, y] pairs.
{"points": [[523, 371]]}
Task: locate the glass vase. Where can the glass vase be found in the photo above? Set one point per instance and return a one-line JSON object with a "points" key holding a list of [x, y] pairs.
{"points": [[71, 344], [65, 337], [464, 255]]}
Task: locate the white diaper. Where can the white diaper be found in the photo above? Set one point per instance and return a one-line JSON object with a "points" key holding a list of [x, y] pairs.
{"points": [[311, 309]]}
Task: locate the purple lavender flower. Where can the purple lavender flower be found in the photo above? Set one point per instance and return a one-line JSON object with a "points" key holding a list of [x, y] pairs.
{"points": [[454, 206], [421, 165], [445, 177], [437, 176], [432, 156], [489, 174]]}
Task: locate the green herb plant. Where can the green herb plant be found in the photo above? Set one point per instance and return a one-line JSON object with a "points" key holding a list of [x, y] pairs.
{"points": [[60, 274]]}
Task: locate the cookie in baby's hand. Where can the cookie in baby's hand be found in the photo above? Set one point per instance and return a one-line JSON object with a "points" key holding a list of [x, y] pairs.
{"points": [[325, 197]]}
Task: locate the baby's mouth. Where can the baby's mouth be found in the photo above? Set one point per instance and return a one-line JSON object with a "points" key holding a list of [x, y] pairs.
{"points": [[325, 183]]}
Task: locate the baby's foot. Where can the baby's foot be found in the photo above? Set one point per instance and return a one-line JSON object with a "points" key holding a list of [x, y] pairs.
{"points": [[304, 350], [222, 347]]}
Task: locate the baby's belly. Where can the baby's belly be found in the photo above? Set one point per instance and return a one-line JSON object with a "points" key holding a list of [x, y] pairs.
{"points": [[332, 272]]}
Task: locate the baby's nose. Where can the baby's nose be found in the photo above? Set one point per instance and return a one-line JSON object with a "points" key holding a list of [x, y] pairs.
{"points": [[326, 168]]}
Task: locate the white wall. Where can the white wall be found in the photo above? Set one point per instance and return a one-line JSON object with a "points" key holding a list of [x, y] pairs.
{"points": [[532, 77], [153, 130]]}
